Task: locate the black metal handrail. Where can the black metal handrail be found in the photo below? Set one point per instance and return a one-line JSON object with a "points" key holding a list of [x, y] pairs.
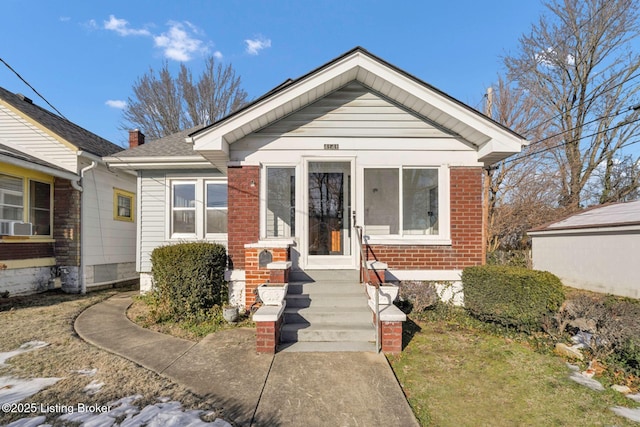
{"points": [[365, 274]]}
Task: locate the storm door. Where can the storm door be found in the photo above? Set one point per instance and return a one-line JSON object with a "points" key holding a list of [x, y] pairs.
{"points": [[329, 213]]}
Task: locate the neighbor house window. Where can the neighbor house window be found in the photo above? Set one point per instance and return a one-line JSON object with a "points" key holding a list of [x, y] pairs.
{"points": [[216, 218], [281, 202], [401, 201], [22, 195], [11, 198], [40, 207], [123, 202], [183, 208]]}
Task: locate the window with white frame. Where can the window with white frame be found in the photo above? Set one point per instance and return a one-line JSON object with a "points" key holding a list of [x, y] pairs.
{"points": [[216, 218], [183, 207], [35, 199], [281, 194], [401, 201], [198, 208]]}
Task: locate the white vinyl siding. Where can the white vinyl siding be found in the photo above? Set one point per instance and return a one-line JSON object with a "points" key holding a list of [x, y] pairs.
{"points": [[33, 140], [352, 111]]}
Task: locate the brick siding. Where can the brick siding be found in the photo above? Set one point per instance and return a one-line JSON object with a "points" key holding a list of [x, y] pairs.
{"points": [[26, 250], [66, 223], [244, 211]]}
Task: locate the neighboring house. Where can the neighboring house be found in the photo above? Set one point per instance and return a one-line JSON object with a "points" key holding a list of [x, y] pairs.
{"points": [[597, 249], [65, 218], [356, 140]]}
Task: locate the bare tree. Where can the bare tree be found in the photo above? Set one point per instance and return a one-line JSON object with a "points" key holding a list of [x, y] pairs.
{"points": [[162, 105], [578, 64], [522, 194]]}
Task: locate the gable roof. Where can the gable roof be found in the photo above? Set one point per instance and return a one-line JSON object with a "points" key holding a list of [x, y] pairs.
{"points": [[611, 215], [22, 159], [493, 141], [62, 128]]}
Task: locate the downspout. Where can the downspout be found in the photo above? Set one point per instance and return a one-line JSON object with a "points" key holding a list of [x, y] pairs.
{"points": [[77, 185]]}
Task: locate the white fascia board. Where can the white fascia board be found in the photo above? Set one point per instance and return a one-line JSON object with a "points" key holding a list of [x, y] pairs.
{"points": [[444, 104], [284, 96], [585, 230], [40, 168], [216, 143], [177, 162], [489, 149]]}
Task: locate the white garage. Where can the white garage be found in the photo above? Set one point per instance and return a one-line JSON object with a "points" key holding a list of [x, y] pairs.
{"points": [[597, 249]]}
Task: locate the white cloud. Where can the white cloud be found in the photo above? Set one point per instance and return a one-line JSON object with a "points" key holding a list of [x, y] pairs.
{"points": [[217, 54], [65, 19], [179, 42], [116, 103], [121, 26], [256, 45]]}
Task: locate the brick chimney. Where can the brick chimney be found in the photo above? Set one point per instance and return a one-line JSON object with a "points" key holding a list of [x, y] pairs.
{"points": [[136, 138]]}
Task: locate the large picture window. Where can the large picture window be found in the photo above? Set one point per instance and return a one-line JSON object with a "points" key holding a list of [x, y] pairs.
{"points": [[401, 201], [281, 202]]}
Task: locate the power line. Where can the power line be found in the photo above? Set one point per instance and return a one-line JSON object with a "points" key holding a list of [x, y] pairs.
{"points": [[32, 88], [569, 142]]}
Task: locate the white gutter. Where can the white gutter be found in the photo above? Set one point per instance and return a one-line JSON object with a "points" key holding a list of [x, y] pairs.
{"points": [[77, 185]]}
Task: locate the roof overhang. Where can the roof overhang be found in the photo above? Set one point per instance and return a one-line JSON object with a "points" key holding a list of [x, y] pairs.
{"points": [[58, 173], [588, 229], [169, 162], [493, 141]]}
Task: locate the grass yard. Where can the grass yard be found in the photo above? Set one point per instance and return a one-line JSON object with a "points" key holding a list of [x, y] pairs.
{"points": [[49, 317], [456, 375]]}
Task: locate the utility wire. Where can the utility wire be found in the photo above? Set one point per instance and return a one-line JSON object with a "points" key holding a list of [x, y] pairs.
{"points": [[569, 142], [32, 88]]}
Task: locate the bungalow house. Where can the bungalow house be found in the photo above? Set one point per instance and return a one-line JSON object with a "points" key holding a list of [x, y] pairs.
{"points": [[65, 219], [596, 249], [286, 178]]}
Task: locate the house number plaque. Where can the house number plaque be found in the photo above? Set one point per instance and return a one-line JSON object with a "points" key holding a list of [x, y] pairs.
{"points": [[331, 146]]}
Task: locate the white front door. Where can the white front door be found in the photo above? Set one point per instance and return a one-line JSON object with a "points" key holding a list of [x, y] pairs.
{"points": [[328, 229]]}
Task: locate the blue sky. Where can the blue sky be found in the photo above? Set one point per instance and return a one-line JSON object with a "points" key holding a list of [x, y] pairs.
{"points": [[84, 56]]}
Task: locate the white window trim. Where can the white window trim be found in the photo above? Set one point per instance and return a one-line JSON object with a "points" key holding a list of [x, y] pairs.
{"points": [[263, 200], [214, 236], [200, 209], [443, 238]]}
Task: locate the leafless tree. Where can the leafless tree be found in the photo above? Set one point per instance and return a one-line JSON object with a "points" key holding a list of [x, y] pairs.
{"points": [[578, 64], [162, 105]]}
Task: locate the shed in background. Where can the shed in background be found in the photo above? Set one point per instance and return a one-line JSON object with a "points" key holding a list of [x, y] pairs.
{"points": [[597, 249]]}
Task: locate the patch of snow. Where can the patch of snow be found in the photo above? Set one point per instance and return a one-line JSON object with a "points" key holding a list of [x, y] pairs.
{"points": [[635, 397], [30, 422], [13, 390], [86, 372], [167, 413], [632, 414], [93, 387], [28, 346]]}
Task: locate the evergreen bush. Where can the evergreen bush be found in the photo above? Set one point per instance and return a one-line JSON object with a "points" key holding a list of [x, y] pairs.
{"points": [[189, 279], [511, 296]]}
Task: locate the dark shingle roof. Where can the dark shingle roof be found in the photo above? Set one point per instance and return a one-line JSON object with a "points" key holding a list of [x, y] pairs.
{"points": [[170, 145], [76, 135]]}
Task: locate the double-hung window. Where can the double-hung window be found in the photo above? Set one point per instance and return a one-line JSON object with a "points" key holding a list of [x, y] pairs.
{"points": [[403, 201], [216, 218]]}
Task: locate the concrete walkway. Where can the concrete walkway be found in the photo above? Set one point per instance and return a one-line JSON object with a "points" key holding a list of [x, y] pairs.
{"points": [[288, 389]]}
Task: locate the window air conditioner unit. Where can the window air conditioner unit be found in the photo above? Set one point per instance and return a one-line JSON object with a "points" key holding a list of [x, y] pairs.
{"points": [[15, 228]]}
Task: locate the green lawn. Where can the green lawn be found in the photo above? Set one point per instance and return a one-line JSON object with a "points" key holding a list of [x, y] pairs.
{"points": [[455, 375]]}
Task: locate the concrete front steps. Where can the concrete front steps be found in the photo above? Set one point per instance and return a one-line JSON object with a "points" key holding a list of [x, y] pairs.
{"points": [[327, 312]]}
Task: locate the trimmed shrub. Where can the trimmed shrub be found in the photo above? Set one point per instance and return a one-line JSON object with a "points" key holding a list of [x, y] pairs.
{"points": [[189, 279], [511, 296]]}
